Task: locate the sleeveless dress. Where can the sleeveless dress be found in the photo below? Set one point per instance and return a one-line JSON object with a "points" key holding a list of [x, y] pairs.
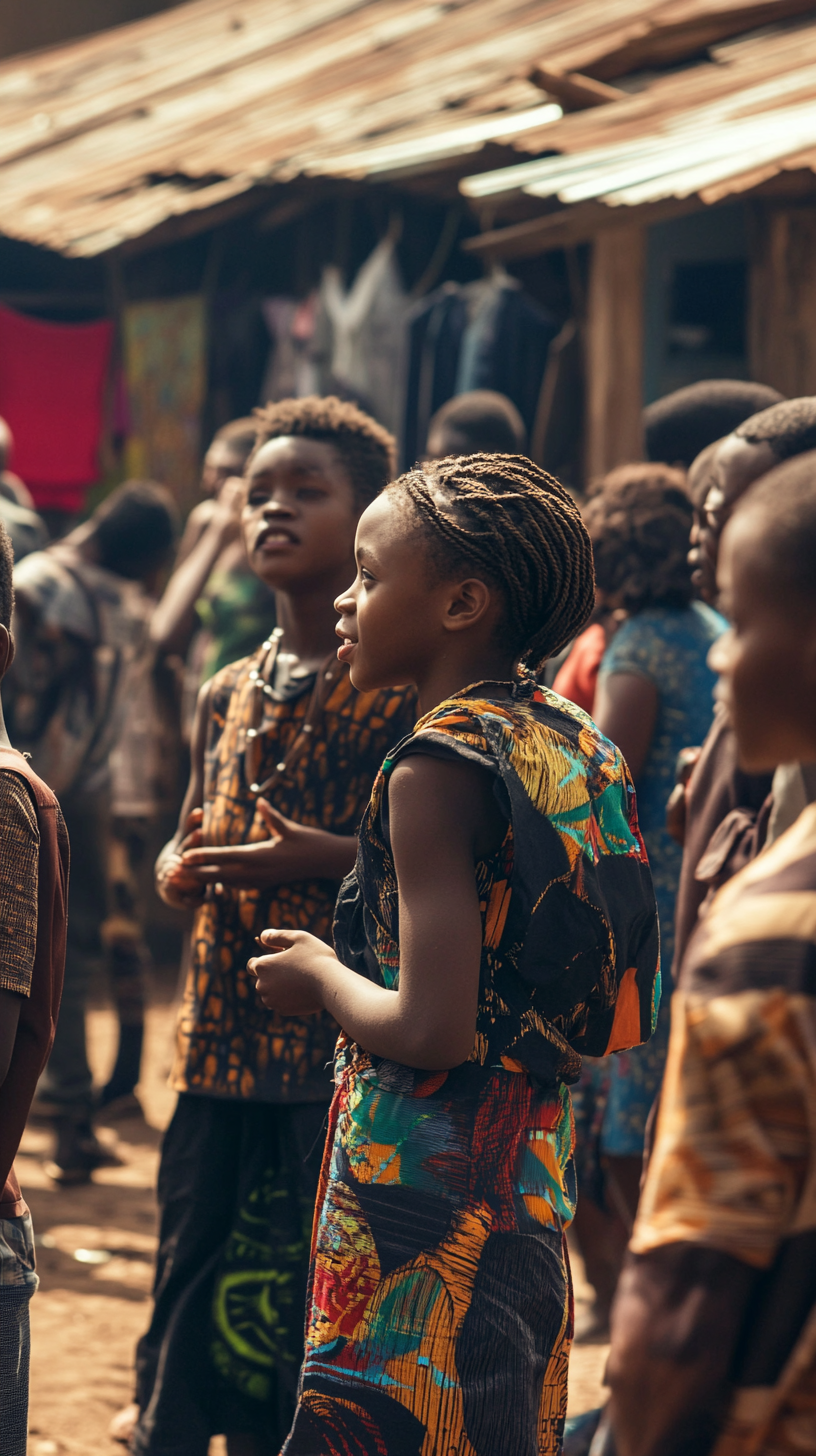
{"points": [[439, 1315]]}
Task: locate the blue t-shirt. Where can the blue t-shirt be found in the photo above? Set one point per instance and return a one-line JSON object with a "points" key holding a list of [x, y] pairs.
{"points": [[669, 647]]}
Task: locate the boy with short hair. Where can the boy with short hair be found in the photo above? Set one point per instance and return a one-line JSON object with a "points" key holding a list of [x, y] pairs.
{"points": [[285, 753], [714, 1327], [33, 889]]}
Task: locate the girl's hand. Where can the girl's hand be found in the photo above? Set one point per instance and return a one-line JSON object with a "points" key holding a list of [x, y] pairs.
{"points": [[292, 852], [174, 883], [290, 979]]}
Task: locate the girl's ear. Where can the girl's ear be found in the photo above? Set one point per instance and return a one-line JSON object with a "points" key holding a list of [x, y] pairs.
{"points": [[469, 602]]}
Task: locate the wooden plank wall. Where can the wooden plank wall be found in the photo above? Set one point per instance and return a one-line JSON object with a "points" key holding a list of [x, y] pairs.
{"points": [[782, 309], [614, 349]]}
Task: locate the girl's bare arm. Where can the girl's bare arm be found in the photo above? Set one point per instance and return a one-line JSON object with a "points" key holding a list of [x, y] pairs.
{"points": [[442, 818]]}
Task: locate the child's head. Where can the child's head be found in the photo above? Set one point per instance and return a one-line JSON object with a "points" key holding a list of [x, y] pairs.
{"points": [[6, 600], [767, 578], [481, 559], [481, 421], [134, 529], [229, 451], [639, 520], [749, 452], [316, 466], [681, 424]]}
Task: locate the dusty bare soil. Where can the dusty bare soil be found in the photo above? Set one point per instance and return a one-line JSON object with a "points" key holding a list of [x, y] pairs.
{"points": [[95, 1246]]}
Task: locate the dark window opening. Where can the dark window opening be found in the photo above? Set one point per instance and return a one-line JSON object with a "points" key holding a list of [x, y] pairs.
{"points": [[708, 306]]}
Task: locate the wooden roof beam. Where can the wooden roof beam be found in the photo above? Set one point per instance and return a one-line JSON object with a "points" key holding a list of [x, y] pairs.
{"points": [[687, 30], [572, 225], [574, 91]]}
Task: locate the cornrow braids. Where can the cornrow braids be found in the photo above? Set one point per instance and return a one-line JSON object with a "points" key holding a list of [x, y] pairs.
{"points": [[366, 449], [505, 518]]}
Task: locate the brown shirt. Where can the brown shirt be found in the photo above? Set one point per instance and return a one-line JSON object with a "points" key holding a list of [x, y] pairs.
{"points": [[725, 827], [33, 896]]}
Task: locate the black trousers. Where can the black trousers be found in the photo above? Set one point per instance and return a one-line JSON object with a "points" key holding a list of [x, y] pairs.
{"points": [[237, 1187]]}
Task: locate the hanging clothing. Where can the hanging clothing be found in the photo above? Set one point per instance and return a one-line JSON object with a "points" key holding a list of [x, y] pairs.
{"points": [[368, 327], [505, 344], [434, 338], [52, 388], [290, 371], [165, 370], [237, 353], [440, 1308], [484, 335]]}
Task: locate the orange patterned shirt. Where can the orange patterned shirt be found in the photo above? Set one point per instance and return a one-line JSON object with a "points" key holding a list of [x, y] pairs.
{"points": [[228, 1044]]}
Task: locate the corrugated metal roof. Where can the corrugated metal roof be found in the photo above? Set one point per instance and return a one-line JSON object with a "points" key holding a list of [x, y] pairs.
{"points": [[103, 139], [719, 128]]}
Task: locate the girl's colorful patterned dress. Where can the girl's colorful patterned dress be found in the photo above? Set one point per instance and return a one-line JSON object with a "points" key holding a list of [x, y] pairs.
{"points": [[439, 1318]]}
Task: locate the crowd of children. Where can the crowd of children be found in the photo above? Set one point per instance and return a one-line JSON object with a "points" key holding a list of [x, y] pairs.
{"points": [[430, 895]]}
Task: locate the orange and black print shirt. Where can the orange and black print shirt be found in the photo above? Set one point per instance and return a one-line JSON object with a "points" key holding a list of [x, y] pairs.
{"points": [[228, 1044], [733, 1170]]}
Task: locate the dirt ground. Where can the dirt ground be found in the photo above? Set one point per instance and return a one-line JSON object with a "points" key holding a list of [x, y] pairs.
{"points": [[94, 1247]]}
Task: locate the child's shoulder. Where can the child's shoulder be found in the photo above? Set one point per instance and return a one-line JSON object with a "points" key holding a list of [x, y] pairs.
{"points": [[18, 813], [536, 723], [234, 676]]}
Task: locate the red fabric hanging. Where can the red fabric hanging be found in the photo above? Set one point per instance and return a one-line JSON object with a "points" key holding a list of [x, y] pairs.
{"points": [[52, 381]]}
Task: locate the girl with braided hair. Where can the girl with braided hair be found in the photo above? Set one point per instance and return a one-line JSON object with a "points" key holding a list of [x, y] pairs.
{"points": [[499, 922]]}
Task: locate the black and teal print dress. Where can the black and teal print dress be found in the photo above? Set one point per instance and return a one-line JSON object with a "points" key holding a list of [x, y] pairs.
{"points": [[439, 1316]]}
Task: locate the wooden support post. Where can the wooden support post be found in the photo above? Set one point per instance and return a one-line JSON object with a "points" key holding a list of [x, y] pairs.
{"points": [[782, 309], [614, 349]]}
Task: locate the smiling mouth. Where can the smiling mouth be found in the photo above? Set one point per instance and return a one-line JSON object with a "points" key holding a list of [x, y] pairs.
{"points": [[347, 646]]}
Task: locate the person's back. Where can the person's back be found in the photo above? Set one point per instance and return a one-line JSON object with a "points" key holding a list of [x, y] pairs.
{"points": [[33, 896]]}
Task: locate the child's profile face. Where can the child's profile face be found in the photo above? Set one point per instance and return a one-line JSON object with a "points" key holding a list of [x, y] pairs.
{"points": [[387, 612], [220, 462], [735, 465], [300, 514], [397, 617], [766, 661]]}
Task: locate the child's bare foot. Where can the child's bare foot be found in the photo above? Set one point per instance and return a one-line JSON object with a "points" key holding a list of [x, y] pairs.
{"points": [[124, 1422]]}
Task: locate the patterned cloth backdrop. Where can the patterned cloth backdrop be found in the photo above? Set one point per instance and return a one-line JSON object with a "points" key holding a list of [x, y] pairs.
{"points": [[165, 371]]}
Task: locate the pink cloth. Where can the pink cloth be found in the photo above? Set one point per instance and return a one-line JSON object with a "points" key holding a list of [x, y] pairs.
{"points": [[52, 384]]}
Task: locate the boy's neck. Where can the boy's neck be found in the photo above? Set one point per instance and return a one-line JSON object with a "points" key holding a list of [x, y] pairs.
{"points": [[308, 620]]}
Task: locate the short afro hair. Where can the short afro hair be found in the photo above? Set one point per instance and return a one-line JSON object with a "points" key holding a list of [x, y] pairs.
{"points": [[6, 578], [785, 501], [135, 528], [240, 435], [639, 520], [482, 421], [680, 425], [789, 428], [366, 449]]}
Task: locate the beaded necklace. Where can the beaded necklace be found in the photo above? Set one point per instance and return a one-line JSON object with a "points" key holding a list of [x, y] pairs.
{"points": [[261, 679]]}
